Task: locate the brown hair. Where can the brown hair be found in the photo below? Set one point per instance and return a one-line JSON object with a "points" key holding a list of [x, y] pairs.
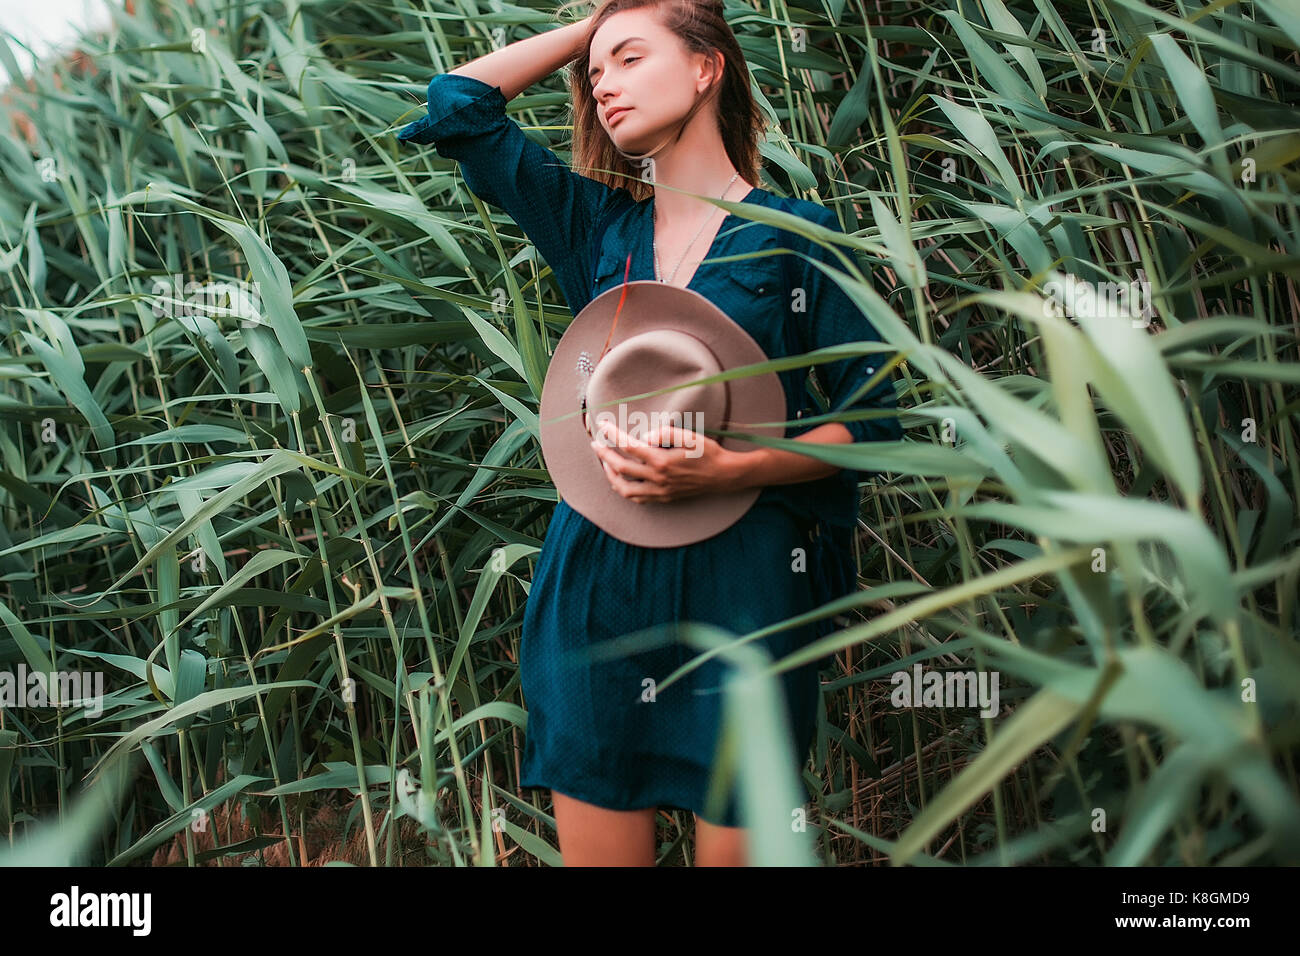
{"points": [[702, 28]]}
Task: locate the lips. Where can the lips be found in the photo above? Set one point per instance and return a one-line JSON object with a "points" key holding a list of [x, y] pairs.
{"points": [[615, 113]]}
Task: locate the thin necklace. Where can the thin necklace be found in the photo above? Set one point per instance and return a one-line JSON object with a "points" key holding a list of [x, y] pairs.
{"points": [[655, 242]]}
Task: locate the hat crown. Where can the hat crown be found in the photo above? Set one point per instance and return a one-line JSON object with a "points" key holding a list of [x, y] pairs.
{"points": [[649, 361]]}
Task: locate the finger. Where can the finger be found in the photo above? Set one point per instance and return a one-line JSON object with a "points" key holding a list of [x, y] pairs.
{"points": [[637, 449], [618, 482], [639, 491], [661, 434], [622, 465], [608, 434], [642, 492], [675, 436], [642, 498]]}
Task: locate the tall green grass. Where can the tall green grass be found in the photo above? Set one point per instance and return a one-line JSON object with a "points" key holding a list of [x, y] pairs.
{"points": [[300, 547]]}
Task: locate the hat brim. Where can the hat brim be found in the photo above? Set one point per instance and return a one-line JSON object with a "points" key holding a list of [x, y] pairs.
{"points": [[566, 444]]}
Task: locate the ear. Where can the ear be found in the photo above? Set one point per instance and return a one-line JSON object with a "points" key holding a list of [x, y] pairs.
{"points": [[711, 69]]}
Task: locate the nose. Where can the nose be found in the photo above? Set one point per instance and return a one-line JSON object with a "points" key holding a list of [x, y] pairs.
{"points": [[604, 91]]}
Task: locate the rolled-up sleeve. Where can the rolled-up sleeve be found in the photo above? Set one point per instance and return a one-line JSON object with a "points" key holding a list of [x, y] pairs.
{"points": [[832, 318], [557, 209]]}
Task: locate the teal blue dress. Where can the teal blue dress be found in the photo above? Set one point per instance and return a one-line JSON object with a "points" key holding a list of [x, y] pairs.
{"points": [[592, 731]]}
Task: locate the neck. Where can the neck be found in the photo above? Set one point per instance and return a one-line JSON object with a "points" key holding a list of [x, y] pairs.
{"points": [[696, 163]]}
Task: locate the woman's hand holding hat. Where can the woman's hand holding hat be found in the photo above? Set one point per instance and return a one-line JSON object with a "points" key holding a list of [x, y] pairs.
{"points": [[695, 464]]}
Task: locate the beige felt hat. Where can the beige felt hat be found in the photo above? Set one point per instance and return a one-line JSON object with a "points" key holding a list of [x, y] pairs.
{"points": [[640, 337]]}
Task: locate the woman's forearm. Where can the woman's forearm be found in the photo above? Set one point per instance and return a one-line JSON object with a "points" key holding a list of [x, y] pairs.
{"points": [[517, 66], [773, 466]]}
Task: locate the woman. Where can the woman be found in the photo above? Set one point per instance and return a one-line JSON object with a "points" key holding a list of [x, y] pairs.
{"points": [[664, 81]]}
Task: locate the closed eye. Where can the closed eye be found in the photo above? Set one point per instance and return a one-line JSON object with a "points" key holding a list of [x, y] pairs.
{"points": [[625, 61]]}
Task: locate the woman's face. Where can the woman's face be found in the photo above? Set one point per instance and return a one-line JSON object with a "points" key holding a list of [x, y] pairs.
{"points": [[642, 73]]}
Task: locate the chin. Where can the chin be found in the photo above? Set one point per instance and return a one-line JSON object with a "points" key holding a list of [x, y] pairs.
{"points": [[632, 141]]}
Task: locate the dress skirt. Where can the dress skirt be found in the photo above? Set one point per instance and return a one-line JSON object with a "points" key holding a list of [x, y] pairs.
{"points": [[593, 733]]}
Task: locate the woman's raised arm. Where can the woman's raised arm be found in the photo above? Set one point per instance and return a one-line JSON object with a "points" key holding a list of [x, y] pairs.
{"points": [[519, 65], [559, 210]]}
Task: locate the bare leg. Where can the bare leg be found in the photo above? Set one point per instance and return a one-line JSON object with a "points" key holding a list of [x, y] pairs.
{"points": [[719, 846], [596, 836]]}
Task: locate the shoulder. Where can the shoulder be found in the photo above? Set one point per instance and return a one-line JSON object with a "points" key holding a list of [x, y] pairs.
{"points": [[801, 246], [807, 209], [804, 209]]}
